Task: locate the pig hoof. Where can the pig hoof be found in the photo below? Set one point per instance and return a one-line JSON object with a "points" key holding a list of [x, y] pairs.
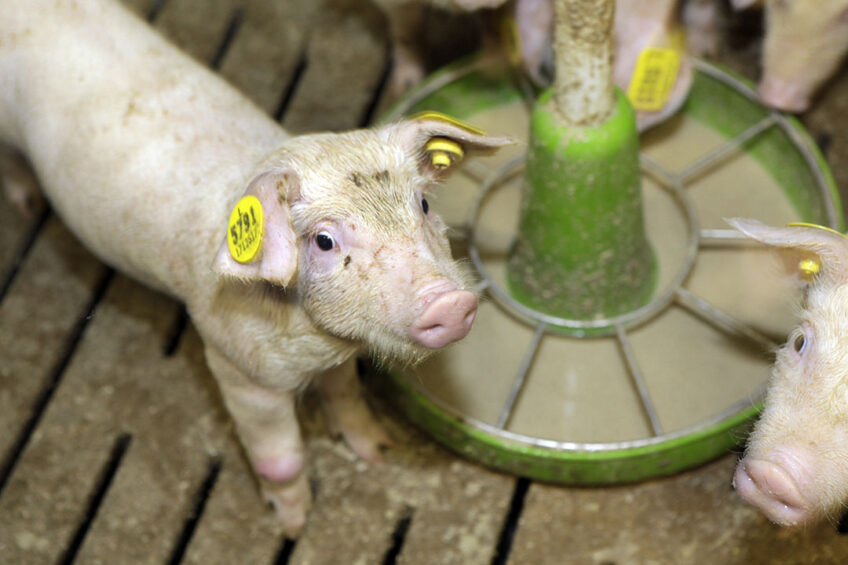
{"points": [[24, 195], [29, 205], [290, 502], [292, 520], [20, 184], [362, 433], [370, 445]]}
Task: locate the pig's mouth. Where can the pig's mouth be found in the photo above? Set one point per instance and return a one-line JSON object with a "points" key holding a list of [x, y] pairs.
{"points": [[771, 488]]}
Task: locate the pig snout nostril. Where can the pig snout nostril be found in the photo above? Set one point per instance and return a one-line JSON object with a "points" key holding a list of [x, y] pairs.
{"points": [[446, 319]]}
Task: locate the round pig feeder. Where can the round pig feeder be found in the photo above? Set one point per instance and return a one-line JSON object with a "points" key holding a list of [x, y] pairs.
{"points": [[625, 331]]}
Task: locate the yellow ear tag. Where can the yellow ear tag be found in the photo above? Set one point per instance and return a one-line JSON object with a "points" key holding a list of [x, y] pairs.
{"points": [[655, 74], [244, 231], [816, 226], [809, 268], [439, 117], [443, 152]]}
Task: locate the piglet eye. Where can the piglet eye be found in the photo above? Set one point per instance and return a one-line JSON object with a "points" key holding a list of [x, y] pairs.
{"points": [[324, 241], [799, 343], [425, 205]]}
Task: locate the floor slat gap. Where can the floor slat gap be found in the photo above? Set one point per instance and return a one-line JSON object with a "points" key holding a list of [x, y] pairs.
{"points": [[379, 91], [229, 35], [288, 95], [22, 253], [842, 525], [107, 474], [176, 333], [155, 9], [41, 404], [399, 536], [516, 506], [285, 553], [191, 522]]}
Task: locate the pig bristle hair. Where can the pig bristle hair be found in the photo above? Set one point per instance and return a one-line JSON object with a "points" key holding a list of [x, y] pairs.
{"points": [[400, 358]]}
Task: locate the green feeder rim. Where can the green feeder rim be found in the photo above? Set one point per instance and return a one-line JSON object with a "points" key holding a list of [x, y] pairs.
{"points": [[571, 463], [453, 90]]}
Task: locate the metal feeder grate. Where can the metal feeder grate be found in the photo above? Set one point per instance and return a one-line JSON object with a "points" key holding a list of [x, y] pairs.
{"points": [[662, 451]]}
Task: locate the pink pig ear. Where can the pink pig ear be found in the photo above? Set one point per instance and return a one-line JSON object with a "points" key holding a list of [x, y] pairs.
{"points": [[276, 260], [440, 142], [830, 246]]}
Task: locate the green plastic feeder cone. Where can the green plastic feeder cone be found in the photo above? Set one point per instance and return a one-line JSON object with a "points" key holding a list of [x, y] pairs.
{"points": [[581, 252]]}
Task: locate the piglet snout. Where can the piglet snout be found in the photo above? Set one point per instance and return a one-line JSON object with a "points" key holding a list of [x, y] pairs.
{"points": [[447, 318], [771, 488], [783, 95]]}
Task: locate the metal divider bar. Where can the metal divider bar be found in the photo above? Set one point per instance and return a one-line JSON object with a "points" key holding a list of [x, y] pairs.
{"points": [[638, 381], [481, 286], [651, 167], [726, 238], [475, 170], [725, 149], [518, 383], [724, 322]]}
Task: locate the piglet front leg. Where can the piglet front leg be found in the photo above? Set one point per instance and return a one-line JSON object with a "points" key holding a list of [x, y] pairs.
{"points": [[266, 423], [347, 413]]}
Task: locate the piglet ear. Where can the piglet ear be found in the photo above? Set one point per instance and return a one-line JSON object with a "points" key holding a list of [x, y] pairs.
{"points": [[276, 259], [440, 142], [830, 246]]}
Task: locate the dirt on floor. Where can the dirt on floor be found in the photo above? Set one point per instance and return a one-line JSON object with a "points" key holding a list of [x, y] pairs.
{"points": [[115, 447]]}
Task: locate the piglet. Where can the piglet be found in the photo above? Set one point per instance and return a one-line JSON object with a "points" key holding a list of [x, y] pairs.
{"points": [[405, 22], [652, 23], [145, 154], [805, 43], [795, 468], [649, 23]]}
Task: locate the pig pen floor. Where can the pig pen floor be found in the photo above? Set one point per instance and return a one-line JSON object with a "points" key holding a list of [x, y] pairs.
{"points": [[114, 446]]}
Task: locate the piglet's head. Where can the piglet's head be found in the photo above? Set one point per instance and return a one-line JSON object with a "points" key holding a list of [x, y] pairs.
{"points": [[795, 469], [350, 228]]}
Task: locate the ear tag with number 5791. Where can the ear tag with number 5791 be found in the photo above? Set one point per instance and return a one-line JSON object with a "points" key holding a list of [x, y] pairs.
{"points": [[244, 230]]}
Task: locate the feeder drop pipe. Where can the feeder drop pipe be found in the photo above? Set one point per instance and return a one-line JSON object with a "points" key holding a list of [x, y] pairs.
{"points": [[583, 43]]}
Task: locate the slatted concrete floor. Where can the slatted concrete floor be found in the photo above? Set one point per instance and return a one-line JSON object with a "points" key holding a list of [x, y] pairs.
{"points": [[114, 446]]}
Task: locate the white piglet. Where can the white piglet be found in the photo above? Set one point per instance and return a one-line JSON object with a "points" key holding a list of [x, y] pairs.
{"points": [[795, 468], [144, 154], [638, 25], [806, 42]]}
